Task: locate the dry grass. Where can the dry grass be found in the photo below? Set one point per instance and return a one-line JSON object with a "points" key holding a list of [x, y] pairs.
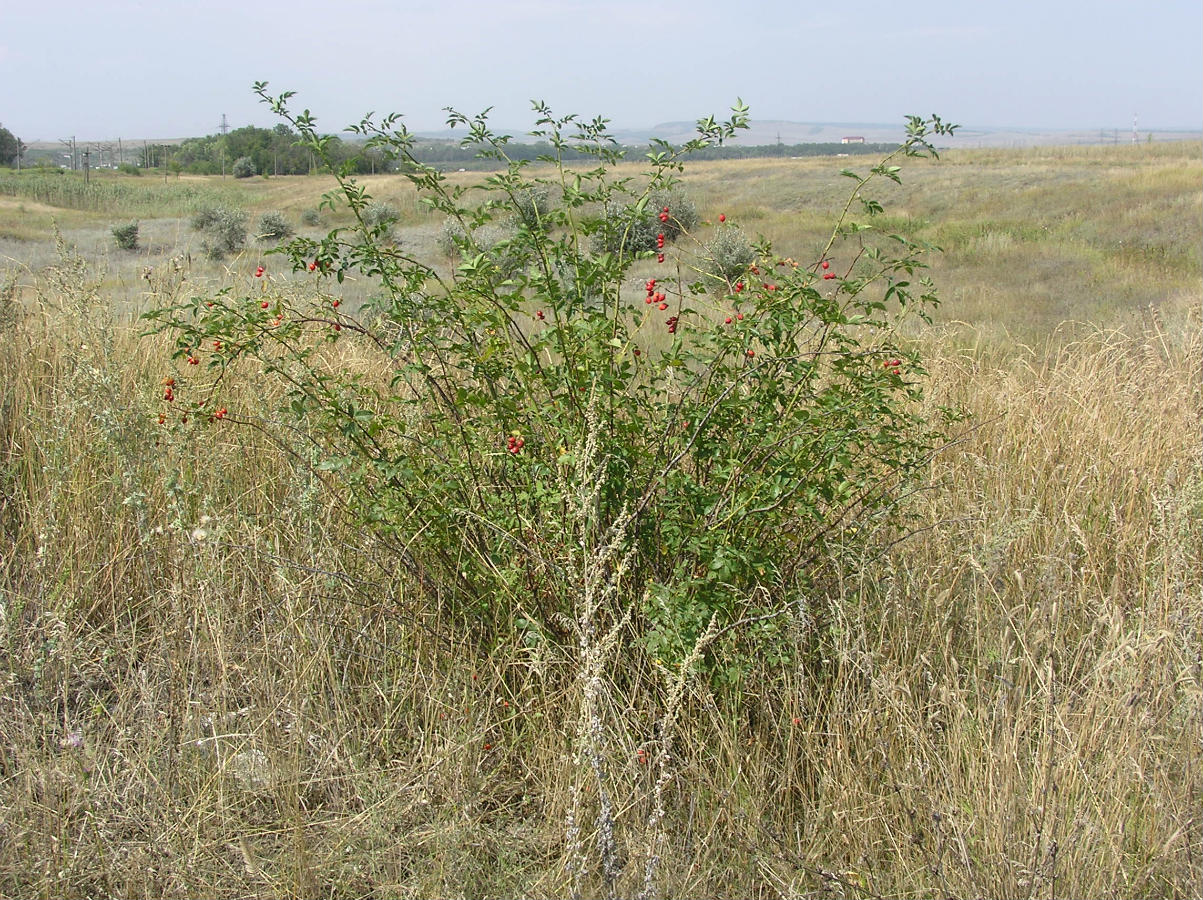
{"points": [[216, 685]]}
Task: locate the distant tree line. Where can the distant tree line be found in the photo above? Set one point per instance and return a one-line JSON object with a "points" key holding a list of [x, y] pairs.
{"points": [[271, 151], [450, 153], [274, 151]]}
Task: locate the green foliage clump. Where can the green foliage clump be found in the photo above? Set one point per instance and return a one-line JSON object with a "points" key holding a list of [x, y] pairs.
{"points": [[244, 167], [129, 169], [126, 235], [273, 228], [10, 147], [547, 451], [311, 217], [223, 229]]}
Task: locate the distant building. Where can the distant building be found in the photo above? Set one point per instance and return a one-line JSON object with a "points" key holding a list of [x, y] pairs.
{"points": [[852, 140]]}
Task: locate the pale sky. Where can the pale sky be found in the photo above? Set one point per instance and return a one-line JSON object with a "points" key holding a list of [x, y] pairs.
{"points": [[124, 68]]}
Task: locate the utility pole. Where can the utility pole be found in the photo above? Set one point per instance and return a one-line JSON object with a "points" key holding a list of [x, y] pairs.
{"points": [[87, 175], [224, 128], [70, 142]]}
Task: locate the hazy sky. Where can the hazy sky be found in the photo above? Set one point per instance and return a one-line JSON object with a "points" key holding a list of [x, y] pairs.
{"points": [[122, 68]]}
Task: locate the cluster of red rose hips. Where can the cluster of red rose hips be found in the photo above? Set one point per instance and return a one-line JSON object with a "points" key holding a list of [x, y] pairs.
{"points": [[514, 443], [169, 385], [663, 217], [654, 296], [672, 324], [893, 365], [827, 276], [259, 272]]}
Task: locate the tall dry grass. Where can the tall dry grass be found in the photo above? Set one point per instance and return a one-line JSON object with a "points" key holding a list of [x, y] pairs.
{"points": [[216, 685]]}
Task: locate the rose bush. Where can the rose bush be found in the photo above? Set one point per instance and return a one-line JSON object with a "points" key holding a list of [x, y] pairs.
{"points": [[533, 440]]}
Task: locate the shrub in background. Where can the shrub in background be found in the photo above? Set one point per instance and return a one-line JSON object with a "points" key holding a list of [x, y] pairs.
{"points": [[725, 258], [223, 230], [311, 217], [244, 167], [380, 213], [204, 218], [455, 242], [273, 227], [453, 238], [489, 228], [635, 229], [126, 235], [379, 217], [530, 207]]}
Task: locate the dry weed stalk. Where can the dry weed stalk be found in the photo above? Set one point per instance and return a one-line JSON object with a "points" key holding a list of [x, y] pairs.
{"points": [[601, 559]]}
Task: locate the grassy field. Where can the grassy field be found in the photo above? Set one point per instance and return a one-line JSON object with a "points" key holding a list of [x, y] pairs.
{"points": [[216, 684]]}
